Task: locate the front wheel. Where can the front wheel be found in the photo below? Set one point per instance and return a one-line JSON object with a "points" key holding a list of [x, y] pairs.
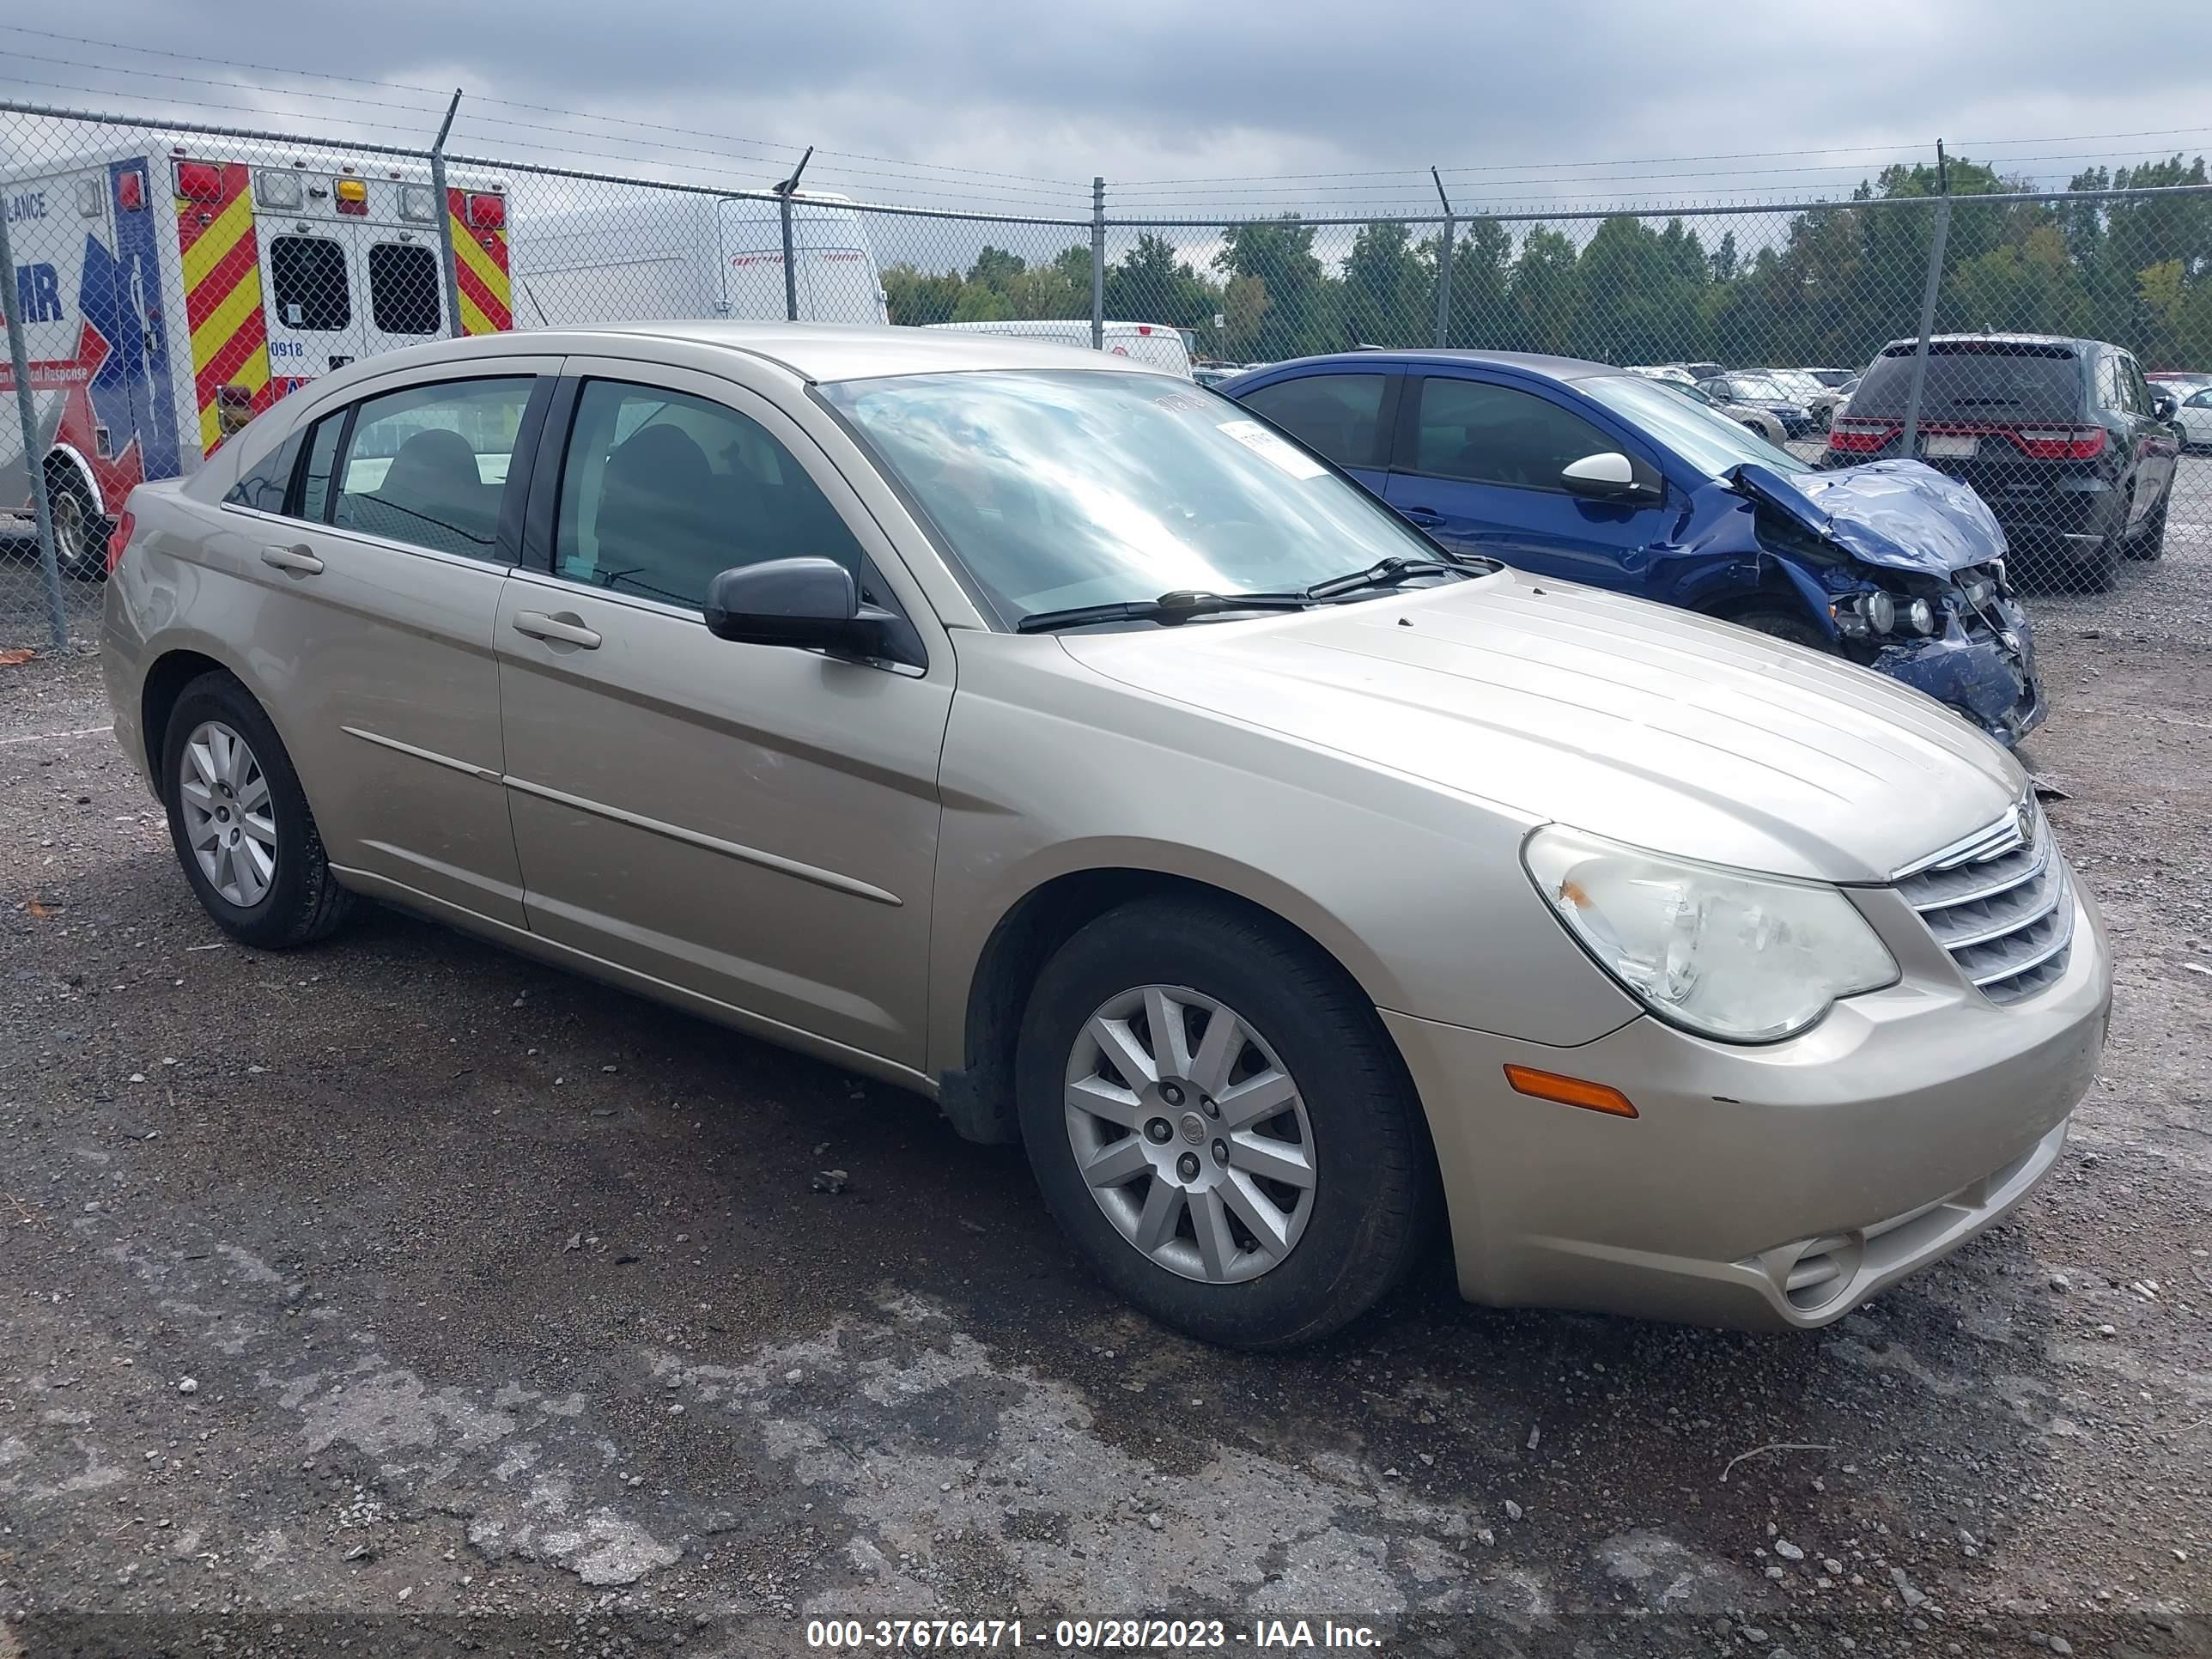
{"points": [[240, 824], [1219, 1124], [1778, 621]]}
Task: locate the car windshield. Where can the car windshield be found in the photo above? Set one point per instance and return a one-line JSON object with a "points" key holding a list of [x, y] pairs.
{"points": [[1756, 388], [1062, 488], [1698, 433]]}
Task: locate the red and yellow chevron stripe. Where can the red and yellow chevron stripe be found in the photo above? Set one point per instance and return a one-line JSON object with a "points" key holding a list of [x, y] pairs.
{"points": [[480, 271], [223, 302]]}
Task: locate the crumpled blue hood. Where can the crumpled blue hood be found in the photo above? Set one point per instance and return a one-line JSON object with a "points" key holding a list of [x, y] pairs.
{"points": [[1904, 514]]}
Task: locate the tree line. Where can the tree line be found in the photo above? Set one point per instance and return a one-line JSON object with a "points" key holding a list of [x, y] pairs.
{"points": [[1828, 285]]}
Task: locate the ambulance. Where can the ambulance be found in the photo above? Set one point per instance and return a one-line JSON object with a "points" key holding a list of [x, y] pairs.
{"points": [[169, 295]]}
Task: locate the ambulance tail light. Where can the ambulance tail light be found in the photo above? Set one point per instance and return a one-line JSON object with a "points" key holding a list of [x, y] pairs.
{"points": [[350, 197], [199, 182], [131, 190], [418, 203], [274, 187], [120, 538], [487, 211]]}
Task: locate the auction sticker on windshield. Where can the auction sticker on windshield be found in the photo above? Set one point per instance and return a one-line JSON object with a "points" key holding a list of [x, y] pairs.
{"points": [[1262, 442]]}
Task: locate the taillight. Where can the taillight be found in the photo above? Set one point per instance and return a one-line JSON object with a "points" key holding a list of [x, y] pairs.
{"points": [[1860, 437], [487, 211], [118, 539], [199, 182], [131, 190], [351, 197], [2061, 443]]}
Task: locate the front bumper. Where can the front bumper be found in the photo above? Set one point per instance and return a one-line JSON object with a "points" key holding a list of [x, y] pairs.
{"points": [[1770, 1186], [1975, 675]]}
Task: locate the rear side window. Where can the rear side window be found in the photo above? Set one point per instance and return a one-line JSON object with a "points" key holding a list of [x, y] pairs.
{"points": [[428, 466], [1992, 380], [264, 485], [403, 288], [1339, 416], [322, 463], [308, 281], [1496, 434], [661, 492]]}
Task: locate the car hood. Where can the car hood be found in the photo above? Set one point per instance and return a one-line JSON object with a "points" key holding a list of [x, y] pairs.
{"points": [[1904, 514], [1652, 726]]}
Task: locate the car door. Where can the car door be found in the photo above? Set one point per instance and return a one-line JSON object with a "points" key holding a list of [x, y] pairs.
{"points": [[2196, 419], [2159, 454], [1343, 414], [755, 825], [1476, 463], [378, 590]]}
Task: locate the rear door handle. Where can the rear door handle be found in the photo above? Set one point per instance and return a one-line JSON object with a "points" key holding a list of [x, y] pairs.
{"points": [[540, 626], [298, 560]]}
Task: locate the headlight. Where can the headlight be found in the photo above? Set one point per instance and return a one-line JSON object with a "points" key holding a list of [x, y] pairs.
{"points": [[1922, 615], [1728, 954]]}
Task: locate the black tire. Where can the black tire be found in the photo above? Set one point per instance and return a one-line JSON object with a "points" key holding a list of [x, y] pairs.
{"points": [[1375, 1194], [80, 533], [2149, 542], [304, 902], [1781, 623]]}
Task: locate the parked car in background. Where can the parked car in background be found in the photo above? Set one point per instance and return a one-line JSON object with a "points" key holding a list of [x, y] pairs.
{"points": [[1582, 471], [1671, 371], [1823, 390], [1749, 415], [1154, 344], [2194, 419], [1759, 392], [2064, 439], [1212, 374], [1008, 724]]}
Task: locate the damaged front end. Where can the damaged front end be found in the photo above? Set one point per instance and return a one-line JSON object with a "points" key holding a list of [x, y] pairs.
{"points": [[1909, 568]]}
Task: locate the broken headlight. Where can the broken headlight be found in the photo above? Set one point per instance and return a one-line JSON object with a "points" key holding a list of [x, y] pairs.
{"points": [[1858, 615]]}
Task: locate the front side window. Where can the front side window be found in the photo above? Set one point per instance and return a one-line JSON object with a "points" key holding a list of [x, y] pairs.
{"points": [[403, 288], [428, 466], [1055, 487], [1337, 415], [1681, 420], [1481, 432], [307, 284], [661, 492]]}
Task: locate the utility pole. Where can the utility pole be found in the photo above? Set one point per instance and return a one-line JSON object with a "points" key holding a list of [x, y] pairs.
{"points": [[790, 263], [446, 253], [1928, 300], [1445, 250]]}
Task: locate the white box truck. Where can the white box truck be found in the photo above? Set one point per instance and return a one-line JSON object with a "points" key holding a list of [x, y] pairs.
{"points": [[1163, 347], [662, 254], [169, 292]]}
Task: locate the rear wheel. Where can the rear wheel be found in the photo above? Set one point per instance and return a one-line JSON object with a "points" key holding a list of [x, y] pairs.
{"points": [[1783, 623], [80, 533], [240, 824], [2149, 542], [1219, 1125]]}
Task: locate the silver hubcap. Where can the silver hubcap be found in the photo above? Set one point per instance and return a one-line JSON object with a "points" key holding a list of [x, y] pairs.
{"points": [[1191, 1135], [229, 821], [69, 528]]}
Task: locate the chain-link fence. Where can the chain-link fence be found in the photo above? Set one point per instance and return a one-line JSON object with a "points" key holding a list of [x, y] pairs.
{"points": [[169, 282]]}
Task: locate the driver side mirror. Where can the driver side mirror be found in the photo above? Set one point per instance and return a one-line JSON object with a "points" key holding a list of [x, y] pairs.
{"points": [[2164, 405], [1608, 475], [812, 603]]}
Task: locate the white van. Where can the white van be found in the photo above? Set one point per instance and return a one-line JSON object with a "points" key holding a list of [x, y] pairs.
{"points": [[666, 255], [1155, 343]]}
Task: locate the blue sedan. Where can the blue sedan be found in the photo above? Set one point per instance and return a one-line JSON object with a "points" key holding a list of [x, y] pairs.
{"points": [[1589, 473]]}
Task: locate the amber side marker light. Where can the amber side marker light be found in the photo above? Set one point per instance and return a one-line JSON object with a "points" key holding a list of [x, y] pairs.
{"points": [[1569, 1090]]}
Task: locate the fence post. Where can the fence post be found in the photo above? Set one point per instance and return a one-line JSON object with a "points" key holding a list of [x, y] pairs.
{"points": [[1928, 300], [1099, 263], [1444, 249], [790, 258], [34, 468], [447, 255]]}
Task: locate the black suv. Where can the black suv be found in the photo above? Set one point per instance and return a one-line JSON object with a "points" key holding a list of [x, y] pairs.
{"points": [[2065, 439]]}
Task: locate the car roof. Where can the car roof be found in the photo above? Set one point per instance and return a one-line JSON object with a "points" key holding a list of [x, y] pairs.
{"points": [[1557, 368], [854, 351], [2001, 338]]}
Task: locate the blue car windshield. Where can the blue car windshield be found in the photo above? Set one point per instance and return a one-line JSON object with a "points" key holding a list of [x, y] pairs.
{"points": [[1696, 432]]}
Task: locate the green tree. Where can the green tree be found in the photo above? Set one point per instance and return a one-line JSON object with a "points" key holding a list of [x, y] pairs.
{"points": [[1389, 295]]}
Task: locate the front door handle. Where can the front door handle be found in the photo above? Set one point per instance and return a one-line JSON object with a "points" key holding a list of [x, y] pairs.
{"points": [[1425, 517], [298, 560], [559, 629]]}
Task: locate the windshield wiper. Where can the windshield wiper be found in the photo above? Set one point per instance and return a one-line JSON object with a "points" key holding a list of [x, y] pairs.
{"points": [[1169, 610], [1395, 569]]}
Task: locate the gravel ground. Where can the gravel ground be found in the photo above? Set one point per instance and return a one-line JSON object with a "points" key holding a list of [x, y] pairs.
{"points": [[403, 1294]]}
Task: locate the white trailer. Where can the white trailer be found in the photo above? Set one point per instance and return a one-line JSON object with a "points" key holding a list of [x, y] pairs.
{"points": [[167, 293], [661, 254]]}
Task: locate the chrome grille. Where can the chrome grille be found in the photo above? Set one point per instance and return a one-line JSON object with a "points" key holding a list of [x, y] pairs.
{"points": [[2001, 903]]}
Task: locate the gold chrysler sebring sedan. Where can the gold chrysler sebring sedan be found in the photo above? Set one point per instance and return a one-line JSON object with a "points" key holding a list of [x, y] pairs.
{"points": [[1056, 740]]}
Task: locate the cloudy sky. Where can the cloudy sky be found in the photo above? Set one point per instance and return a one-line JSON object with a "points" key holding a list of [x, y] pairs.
{"points": [[1188, 108]]}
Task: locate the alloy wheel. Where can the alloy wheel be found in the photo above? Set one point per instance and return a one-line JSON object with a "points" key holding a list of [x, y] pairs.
{"points": [[230, 820], [1190, 1134]]}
